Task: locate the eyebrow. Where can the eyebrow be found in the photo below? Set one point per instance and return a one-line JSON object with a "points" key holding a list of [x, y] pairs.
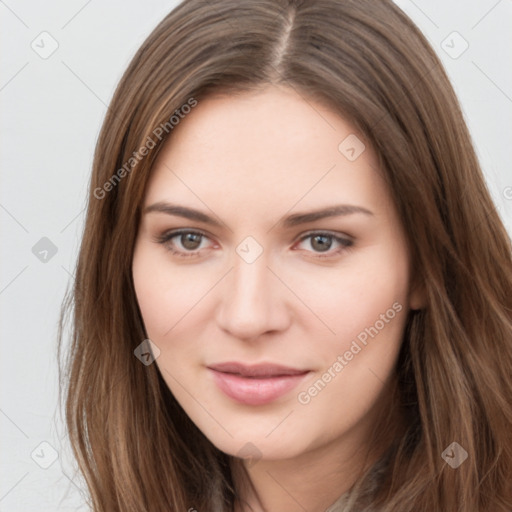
{"points": [[288, 222]]}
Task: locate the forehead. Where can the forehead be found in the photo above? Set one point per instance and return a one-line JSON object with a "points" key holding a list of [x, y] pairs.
{"points": [[258, 149]]}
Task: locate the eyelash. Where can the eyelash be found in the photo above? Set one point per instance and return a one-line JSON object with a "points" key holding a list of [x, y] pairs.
{"points": [[165, 238]]}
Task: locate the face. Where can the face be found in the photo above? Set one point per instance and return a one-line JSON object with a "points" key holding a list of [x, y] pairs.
{"points": [[278, 327]]}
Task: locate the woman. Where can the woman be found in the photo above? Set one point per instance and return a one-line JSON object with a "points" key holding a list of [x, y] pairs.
{"points": [[293, 290]]}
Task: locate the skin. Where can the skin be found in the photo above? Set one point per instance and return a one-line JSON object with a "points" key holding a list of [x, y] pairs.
{"points": [[248, 161]]}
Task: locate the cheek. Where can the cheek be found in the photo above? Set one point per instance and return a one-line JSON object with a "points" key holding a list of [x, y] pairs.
{"points": [[165, 294], [169, 304], [356, 299], [368, 316], [366, 307], [150, 288]]}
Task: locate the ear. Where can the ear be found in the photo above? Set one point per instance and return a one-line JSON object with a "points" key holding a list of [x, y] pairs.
{"points": [[417, 295]]}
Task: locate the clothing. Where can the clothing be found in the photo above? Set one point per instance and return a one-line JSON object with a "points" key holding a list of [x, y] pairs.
{"points": [[370, 485], [340, 505]]}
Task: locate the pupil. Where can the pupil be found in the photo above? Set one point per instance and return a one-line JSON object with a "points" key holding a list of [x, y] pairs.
{"points": [[190, 240], [323, 245]]}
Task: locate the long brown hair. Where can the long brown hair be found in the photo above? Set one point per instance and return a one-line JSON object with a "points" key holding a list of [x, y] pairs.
{"points": [[365, 59]]}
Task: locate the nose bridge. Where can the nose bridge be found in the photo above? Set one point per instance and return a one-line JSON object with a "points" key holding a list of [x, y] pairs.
{"points": [[249, 288], [250, 279], [250, 299]]}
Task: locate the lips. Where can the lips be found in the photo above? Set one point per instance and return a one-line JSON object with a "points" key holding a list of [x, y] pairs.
{"points": [[257, 370], [255, 384]]}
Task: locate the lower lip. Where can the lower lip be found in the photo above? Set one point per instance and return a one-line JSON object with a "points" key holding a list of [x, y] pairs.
{"points": [[254, 391]]}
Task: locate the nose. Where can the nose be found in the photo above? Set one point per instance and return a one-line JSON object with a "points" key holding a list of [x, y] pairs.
{"points": [[253, 301]]}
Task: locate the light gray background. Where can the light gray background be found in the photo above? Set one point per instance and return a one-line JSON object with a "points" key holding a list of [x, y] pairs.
{"points": [[52, 110]]}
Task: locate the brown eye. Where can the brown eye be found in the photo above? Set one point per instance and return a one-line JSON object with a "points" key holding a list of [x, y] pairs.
{"points": [[182, 243], [321, 242], [191, 241]]}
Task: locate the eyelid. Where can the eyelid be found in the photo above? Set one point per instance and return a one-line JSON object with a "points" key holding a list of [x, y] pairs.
{"points": [[346, 241], [166, 236], [179, 231], [327, 232]]}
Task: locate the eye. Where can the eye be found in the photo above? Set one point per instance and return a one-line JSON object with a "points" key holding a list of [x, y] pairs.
{"points": [[322, 242], [187, 244]]}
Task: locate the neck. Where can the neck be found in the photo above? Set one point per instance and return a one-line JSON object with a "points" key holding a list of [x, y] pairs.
{"points": [[315, 479], [312, 481]]}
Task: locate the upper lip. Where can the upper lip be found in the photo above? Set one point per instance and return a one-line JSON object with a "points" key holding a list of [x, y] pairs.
{"points": [[256, 370]]}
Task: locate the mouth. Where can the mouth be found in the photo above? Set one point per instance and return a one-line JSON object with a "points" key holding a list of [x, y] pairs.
{"points": [[255, 384]]}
